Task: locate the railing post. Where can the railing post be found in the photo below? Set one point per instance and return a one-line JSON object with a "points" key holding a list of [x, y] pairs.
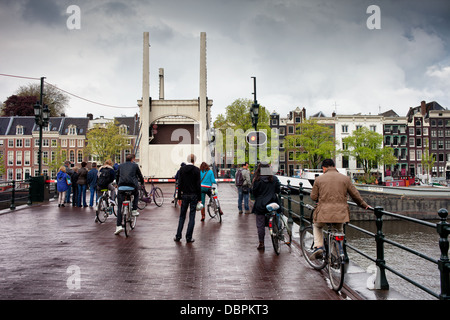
{"points": [[443, 228], [30, 202], [381, 280], [290, 221], [13, 196], [302, 209]]}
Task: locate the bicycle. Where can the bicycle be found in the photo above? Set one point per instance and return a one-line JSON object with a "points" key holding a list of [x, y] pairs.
{"points": [[214, 205], [278, 229], [104, 207], [333, 255], [128, 219], [156, 193], [144, 198]]}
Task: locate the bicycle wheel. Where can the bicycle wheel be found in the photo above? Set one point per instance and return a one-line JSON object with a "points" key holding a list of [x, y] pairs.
{"points": [[307, 246], [102, 209], [158, 196], [274, 234], [141, 203], [218, 215], [212, 208], [335, 263], [125, 214], [286, 234]]}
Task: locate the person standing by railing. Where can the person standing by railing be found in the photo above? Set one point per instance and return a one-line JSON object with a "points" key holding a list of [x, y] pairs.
{"points": [[330, 190], [62, 186]]}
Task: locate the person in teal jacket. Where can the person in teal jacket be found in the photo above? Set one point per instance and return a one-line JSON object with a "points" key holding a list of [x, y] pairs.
{"points": [[207, 179]]}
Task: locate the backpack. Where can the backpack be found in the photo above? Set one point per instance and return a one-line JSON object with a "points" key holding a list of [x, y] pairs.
{"points": [[239, 179], [104, 178]]}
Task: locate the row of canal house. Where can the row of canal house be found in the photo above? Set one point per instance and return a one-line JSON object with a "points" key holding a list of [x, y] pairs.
{"points": [[19, 143], [424, 130]]}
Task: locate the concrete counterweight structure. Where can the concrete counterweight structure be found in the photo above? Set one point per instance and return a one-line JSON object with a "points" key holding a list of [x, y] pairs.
{"points": [[173, 129]]}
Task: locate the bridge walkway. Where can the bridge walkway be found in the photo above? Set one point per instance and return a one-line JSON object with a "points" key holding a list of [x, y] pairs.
{"points": [[61, 253]]}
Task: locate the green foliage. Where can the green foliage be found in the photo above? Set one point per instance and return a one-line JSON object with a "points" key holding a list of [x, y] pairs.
{"points": [[315, 141], [106, 142]]}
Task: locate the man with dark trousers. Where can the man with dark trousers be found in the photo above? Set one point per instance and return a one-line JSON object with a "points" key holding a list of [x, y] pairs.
{"points": [[189, 191]]}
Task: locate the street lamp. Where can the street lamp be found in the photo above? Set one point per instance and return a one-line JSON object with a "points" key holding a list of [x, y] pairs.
{"points": [[41, 118], [254, 109]]}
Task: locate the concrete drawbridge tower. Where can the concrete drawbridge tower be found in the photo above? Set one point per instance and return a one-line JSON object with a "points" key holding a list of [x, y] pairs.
{"points": [[172, 129]]}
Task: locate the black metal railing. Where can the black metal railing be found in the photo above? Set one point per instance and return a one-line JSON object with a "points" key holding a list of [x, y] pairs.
{"points": [[442, 228], [13, 192], [19, 192]]}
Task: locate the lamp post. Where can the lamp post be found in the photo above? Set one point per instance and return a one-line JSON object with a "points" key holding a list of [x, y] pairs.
{"points": [[41, 118], [254, 109]]}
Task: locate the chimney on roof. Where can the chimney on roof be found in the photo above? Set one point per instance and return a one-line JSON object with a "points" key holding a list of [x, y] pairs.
{"points": [[161, 83], [423, 108], [90, 116], [63, 115]]}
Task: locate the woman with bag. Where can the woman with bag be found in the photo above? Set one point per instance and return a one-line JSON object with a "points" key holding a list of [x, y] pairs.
{"points": [[206, 181], [265, 189], [62, 185]]}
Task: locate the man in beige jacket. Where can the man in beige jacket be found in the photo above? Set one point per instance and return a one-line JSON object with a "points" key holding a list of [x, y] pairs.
{"points": [[330, 191]]}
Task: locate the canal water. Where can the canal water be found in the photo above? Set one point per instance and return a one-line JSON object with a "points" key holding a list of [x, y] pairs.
{"points": [[417, 237]]}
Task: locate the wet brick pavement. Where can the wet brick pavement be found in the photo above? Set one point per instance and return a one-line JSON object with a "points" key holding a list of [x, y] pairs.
{"points": [[56, 253]]}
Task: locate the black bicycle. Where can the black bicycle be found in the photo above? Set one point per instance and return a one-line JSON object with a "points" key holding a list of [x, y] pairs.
{"points": [[333, 254], [278, 228], [213, 205], [128, 218], [104, 207]]}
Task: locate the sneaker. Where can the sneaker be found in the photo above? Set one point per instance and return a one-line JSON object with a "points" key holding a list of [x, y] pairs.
{"points": [[317, 253], [119, 229], [134, 213]]}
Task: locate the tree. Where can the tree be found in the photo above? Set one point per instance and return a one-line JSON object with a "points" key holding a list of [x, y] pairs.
{"points": [[428, 159], [366, 147], [237, 117], [106, 142], [18, 106], [316, 142], [56, 100]]}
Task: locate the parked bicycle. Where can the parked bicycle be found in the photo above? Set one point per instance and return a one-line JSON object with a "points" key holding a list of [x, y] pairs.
{"points": [[128, 218], [105, 207], [278, 228], [214, 205], [145, 198], [333, 255]]}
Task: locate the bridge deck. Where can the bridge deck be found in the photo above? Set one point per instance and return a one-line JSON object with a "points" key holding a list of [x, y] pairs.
{"points": [[43, 246]]}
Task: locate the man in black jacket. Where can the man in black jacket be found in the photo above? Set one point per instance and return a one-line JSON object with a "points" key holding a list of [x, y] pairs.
{"points": [[128, 175], [190, 192]]}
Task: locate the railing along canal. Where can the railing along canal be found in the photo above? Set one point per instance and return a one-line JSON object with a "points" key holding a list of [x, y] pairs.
{"points": [[442, 228], [14, 192]]}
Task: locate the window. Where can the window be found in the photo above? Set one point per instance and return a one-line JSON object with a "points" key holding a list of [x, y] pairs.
{"points": [[290, 129], [27, 158], [345, 128], [72, 156], [10, 158], [54, 143], [412, 155], [45, 143], [18, 174], [10, 143], [64, 143], [291, 155], [72, 130], [27, 143], [411, 142], [441, 144], [19, 130], [80, 143], [72, 143], [274, 122], [419, 142], [419, 155], [19, 158], [80, 156], [19, 143]]}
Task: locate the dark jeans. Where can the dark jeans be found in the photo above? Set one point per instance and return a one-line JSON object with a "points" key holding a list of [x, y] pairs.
{"points": [[189, 201], [261, 226], [120, 198]]}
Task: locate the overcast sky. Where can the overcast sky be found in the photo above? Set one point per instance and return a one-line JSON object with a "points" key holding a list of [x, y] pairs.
{"points": [[316, 54]]}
